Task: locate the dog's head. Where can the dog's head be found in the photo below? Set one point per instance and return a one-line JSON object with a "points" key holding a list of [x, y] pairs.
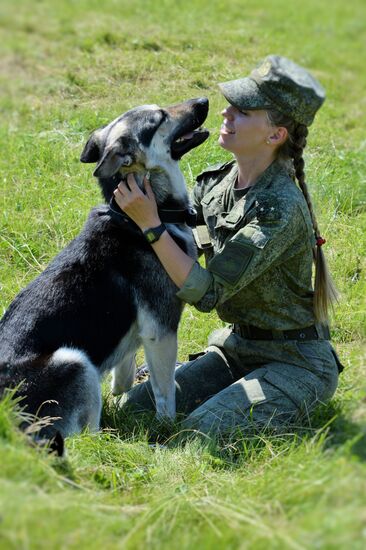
{"points": [[146, 138]]}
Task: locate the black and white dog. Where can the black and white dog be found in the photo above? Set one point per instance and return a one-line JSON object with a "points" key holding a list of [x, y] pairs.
{"points": [[106, 293]]}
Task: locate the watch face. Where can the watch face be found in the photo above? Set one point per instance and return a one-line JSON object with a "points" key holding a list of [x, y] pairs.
{"points": [[150, 236], [153, 234]]}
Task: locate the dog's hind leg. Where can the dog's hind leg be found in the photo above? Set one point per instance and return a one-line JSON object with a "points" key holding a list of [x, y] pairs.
{"points": [[123, 374], [161, 355]]}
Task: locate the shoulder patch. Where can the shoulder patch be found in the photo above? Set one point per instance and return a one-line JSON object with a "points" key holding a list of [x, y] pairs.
{"points": [[268, 207], [215, 168], [230, 264]]}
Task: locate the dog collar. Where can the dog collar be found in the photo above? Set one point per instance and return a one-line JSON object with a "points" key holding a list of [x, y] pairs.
{"points": [[119, 217], [188, 215]]}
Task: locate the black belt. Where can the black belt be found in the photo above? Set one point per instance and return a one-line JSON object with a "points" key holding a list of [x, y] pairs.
{"points": [[314, 332]]}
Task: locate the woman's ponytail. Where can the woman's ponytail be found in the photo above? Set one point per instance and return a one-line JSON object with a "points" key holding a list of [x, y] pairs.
{"points": [[325, 292]]}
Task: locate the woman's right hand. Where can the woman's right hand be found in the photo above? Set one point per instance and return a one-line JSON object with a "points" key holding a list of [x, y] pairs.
{"points": [[140, 207]]}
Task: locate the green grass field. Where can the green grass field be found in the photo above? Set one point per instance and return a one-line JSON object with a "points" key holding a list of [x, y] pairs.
{"points": [[67, 67]]}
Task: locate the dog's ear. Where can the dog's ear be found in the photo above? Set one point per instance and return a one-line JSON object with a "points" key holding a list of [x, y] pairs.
{"points": [[112, 160], [91, 151]]}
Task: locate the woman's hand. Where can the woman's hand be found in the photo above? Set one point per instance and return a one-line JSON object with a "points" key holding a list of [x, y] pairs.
{"points": [[141, 208]]}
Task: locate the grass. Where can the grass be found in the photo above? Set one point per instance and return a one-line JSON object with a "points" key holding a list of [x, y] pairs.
{"points": [[66, 68]]}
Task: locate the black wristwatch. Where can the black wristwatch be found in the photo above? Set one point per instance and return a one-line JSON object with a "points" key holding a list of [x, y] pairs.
{"points": [[153, 234]]}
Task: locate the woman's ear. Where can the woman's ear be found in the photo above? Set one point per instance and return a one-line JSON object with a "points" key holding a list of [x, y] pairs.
{"points": [[278, 137]]}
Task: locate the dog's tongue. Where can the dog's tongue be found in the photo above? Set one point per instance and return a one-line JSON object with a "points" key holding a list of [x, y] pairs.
{"points": [[187, 136]]}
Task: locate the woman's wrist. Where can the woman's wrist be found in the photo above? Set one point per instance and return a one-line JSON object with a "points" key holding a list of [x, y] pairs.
{"points": [[150, 224]]}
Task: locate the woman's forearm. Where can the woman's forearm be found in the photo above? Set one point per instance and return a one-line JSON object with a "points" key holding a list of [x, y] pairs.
{"points": [[175, 262]]}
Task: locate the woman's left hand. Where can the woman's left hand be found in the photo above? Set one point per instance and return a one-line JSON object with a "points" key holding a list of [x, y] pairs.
{"points": [[141, 208]]}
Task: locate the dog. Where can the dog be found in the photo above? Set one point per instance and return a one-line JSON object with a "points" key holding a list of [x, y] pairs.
{"points": [[106, 293]]}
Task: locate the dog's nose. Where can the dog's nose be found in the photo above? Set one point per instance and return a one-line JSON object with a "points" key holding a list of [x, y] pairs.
{"points": [[202, 101], [201, 105], [198, 101]]}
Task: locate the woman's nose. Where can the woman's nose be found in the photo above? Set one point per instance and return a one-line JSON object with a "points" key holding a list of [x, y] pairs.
{"points": [[227, 113]]}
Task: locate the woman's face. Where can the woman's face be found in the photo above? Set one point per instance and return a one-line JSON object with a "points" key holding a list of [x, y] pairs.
{"points": [[244, 133]]}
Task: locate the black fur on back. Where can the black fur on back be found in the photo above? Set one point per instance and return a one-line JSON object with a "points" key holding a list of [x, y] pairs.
{"points": [[87, 297]]}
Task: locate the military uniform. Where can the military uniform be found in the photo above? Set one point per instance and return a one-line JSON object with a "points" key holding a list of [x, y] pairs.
{"points": [[272, 364], [258, 278]]}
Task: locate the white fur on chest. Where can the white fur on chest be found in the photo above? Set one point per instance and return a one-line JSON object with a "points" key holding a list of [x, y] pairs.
{"points": [[127, 345]]}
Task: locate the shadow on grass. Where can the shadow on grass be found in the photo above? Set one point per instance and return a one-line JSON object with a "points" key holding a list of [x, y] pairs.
{"points": [[330, 421], [342, 431], [131, 424]]}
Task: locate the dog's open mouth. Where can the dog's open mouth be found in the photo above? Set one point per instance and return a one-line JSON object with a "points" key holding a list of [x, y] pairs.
{"points": [[184, 143]]}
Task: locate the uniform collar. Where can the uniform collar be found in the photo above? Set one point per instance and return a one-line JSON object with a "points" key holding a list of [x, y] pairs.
{"points": [[266, 178], [245, 203], [263, 182]]}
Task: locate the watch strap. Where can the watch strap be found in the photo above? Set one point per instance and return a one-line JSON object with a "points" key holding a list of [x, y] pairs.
{"points": [[153, 234]]}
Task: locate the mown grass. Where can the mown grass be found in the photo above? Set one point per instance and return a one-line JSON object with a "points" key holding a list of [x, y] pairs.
{"points": [[68, 67]]}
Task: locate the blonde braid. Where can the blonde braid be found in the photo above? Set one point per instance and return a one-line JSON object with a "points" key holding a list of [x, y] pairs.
{"points": [[325, 292]]}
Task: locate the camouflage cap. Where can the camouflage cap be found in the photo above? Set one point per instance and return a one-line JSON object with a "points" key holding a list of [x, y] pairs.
{"points": [[277, 83]]}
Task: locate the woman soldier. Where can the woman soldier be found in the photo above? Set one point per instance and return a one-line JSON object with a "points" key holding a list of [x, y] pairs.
{"points": [[274, 363]]}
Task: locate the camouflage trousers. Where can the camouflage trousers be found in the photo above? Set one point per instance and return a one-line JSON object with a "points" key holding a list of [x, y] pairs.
{"points": [[244, 384]]}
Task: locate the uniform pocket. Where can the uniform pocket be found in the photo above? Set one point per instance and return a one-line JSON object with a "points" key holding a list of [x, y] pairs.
{"points": [[210, 205], [320, 355], [301, 386], [321, 361], [210, 210], [230, 220], [314, 354]]}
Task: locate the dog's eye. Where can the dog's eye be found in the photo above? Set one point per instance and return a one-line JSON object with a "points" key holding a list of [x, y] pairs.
{"points": [[157, 118], [164, 116], [153, 122]]}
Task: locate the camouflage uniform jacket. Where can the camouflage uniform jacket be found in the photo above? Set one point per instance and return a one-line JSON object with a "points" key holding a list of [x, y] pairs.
{"points": [[259, 270]]}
